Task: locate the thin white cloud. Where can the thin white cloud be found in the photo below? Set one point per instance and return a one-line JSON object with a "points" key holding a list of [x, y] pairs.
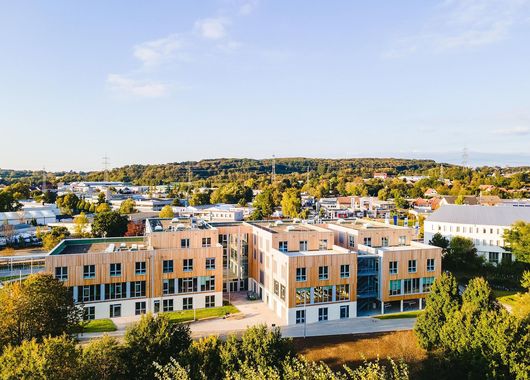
{"points": [[515, 131], [156, 51], [248, 7], [125, 86], [458, 24], [212, 28]]}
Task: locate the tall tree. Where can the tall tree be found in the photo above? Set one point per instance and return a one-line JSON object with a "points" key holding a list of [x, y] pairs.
{"points": [[518, 240], [81, 223], [166, 212], [291, 203], [128, 206], [438, 240], [107, 224]]}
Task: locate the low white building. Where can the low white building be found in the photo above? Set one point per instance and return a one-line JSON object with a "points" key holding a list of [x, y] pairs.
{"points": [[482, 224]]}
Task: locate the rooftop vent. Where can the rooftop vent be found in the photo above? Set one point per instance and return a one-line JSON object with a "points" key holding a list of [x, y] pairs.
{"points": [[367, 225], [278, 222], [175, 220], [159, 228], [180, 227], [290, 228]]}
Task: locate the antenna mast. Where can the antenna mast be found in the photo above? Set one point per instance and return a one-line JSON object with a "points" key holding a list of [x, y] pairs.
{"points": [[273, 175], [465, 157], [106, 163]]}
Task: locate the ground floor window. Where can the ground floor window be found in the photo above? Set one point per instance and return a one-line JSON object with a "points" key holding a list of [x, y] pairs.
{"points": [[427, 284], [395, 287], [139, 308], [115, 311], [89, 313], [303, 296], [412, 285], [344, 312], [157, 306], [493, 257], [210, 301], [187, 303], [167, 305], [323, 314], [300, 316]]}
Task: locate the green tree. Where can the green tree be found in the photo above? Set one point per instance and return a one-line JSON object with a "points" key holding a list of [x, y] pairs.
{"points": [[199, 198], [107, 224], [53, 237], [438, 240], [128, 206], [461, 255], [154, 339], [81, 223], [92, 208], [291, 203], [518, 240], [263, 205], [205, 359], [172, 371], [104, 359], [67, 203], [101, 198], [442, 302], [103, 207], [166, 212], [38, 307], [525, 280]]}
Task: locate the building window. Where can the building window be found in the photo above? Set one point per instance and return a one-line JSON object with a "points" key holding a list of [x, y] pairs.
{"points": [[323, 294], [187, 265], [323, 245], [206, 242], [412, 266], [411, 285], [187, 284], [138, 289], [167, 266], [393, 267], [61, 273], [89, 271], [282, 292], [430, 265], [115, 269], [209, 301], [184, 243], [167, 305], [351, 241], [345, 271], [187, 303], [368, 241], [210, 263], [89, 313], [344, 312], [323, 273], [395, 287], [139, 308], [427, 284], [322, 314], [303, 245], [384, 242], [207, 283], [115, 291], [89, 293], [283, 246], [261, 277], [168, 286], [140, 267], [276, 288], [300, 316], [493, 257], [402, 240], [303, 295], [342, 292], [156, 306], [301, 274], [115, 311]]}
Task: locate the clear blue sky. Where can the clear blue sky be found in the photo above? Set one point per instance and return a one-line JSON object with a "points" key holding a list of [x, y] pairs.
{"points": [[165, 81]]}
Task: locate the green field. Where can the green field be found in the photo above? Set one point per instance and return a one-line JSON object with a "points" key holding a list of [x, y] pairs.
{"points": [[406, 314], [187, 315], [99, 325]]}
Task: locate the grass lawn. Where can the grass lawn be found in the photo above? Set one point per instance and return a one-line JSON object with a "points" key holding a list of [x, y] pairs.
{"points": [[406, 314], [7, 278], [187, 315], [99, 325]]}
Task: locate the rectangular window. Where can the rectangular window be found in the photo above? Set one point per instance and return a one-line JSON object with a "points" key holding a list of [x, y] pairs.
{"points": [[210, 263], [89, 271], [61, 273], [167, 266], [344, 312], [430, 265], [394, 288], [156, 306], [283, 246], [402, 240], [187, 303], [344, 271], [140, 267], [115, 269], [323, 294], [323, 245], [168, 286], [323, 273], [115, 291], [301, 274], [368, 241], [187, 285], [206, 242], [139, 308], [282, 292], [322, 314], [303, 245], [187, 265], [167, 305], [493, 257], [384, 242], [207, 283], [138, 289], [351, 241], [300, 317], [342, 292], [276, 288], [209, 301], [89, 293], [427, 284], [115, 311], [412, 266], [89, 313], [411, 285], [261, 277], [184, 243], [303, 295], [392, 267]]}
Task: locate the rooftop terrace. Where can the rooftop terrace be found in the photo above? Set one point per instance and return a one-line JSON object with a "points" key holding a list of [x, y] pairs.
{"points": [[281, 226], [99, 245], [175, 224]]}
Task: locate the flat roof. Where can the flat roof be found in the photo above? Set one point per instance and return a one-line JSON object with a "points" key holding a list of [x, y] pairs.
{"points": [[480, 215], [280, 226], [365, 224], [176, 224], [99, 245]]}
